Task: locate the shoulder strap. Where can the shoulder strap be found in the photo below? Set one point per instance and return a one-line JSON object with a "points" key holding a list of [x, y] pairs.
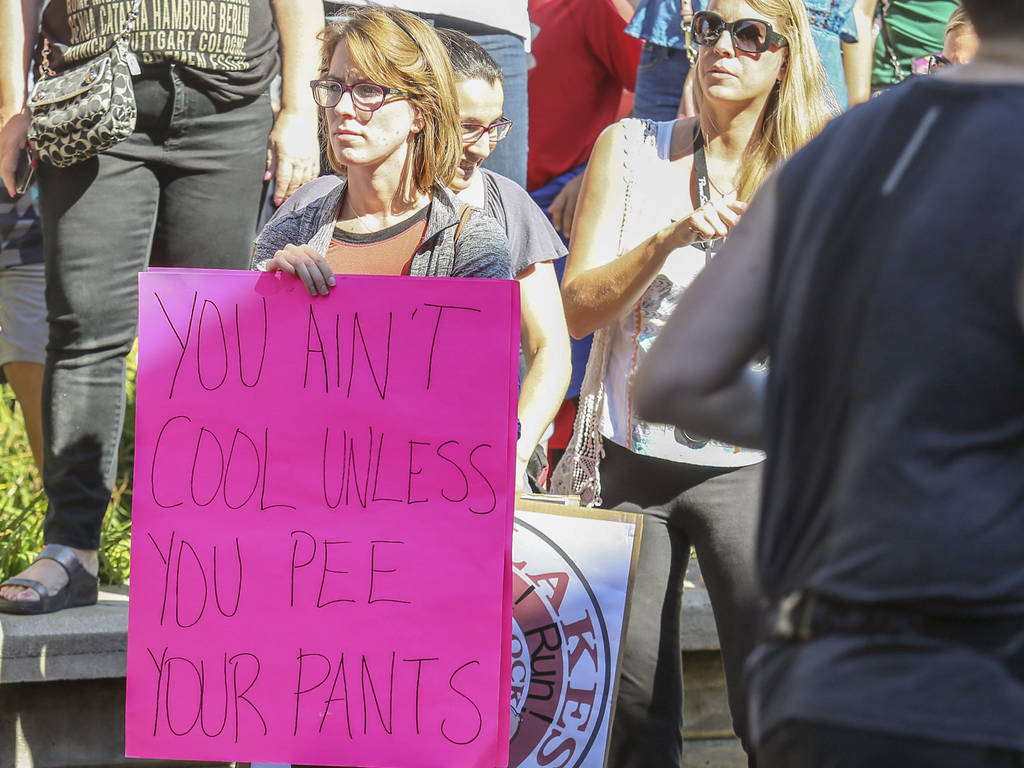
{"points": [[894, 60], [129, 21], [464, 212], [700, 166]]}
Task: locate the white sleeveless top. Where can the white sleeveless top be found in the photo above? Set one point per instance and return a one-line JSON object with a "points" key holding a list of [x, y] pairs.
{"points": [[650, 184]]}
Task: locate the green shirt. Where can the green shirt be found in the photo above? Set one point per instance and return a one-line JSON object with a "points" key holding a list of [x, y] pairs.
{"points": [[913, 28]]}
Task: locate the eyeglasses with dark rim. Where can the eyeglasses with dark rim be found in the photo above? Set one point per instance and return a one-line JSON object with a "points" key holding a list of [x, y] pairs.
{"points": [[749, 35], [496, 131], [369, 97]]}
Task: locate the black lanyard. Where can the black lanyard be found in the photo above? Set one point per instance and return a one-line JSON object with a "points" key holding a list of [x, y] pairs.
{"points": [[700, 171]]}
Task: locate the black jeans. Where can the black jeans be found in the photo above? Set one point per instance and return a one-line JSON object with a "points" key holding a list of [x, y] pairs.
{"points": [[802, 744], [181, 191], [713, 510]]}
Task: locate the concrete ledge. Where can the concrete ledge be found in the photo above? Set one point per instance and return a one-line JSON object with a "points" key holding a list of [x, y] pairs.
{"points": [[62, 686], [91, 643], [63, 725], [76, 644], [714, 753]]}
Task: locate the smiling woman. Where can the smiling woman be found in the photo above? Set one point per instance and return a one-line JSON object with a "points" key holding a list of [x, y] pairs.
{"points": [[390, 123], [533, 241]]}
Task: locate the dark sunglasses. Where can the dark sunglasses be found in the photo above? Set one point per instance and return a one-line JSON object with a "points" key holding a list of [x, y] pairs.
{"points": [[749, 35]]}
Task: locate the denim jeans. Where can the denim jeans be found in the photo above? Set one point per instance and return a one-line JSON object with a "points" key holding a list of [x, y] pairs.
{"points": [[509, 156], [659, 82], [578, 348], [181, 191], [714, 510]]}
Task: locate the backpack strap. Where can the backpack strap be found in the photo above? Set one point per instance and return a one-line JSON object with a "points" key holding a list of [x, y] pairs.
{"points": [[464, 212]]}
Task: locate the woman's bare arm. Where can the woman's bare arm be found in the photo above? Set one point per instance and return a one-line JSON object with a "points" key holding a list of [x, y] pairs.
{"points": [[545, 343], [599, 285]]}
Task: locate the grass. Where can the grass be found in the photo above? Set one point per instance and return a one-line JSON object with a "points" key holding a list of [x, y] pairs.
{"points": [[23, 502]]}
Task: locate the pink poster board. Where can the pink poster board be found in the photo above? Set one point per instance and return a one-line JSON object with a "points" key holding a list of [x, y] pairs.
{"points": [[322, 520]]}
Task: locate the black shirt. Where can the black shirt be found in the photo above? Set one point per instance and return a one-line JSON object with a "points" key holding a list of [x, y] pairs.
{"points": [[895, 414], [229, 47]]}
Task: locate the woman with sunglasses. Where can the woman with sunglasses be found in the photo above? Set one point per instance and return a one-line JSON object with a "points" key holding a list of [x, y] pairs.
{"points": [[656, 200], [390, 113]]}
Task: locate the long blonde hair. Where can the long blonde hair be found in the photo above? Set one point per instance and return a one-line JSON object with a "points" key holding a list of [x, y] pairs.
{"points": [[799, 105], [399, 50]]}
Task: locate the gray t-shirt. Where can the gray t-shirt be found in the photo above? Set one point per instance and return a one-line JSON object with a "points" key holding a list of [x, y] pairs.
{"points": [[531, 237]]}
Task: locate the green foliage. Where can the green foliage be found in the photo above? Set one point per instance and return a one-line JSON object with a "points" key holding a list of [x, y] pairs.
{"points": [[23, 503]]}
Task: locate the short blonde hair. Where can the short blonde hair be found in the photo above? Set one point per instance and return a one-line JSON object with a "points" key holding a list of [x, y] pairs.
{"points": [[958, 19], [798, 107], [399, 50]]}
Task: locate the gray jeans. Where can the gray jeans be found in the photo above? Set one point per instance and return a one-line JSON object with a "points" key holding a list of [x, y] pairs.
{"points": [[183, 191], [713, 510]]}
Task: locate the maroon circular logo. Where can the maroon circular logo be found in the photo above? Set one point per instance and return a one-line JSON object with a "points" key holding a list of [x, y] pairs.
{"points": [[561, 657]]}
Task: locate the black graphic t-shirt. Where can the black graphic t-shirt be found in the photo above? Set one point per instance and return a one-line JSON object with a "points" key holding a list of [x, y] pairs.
{"points": [[229, 46]]}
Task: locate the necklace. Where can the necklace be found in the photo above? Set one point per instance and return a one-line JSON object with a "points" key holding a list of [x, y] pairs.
{"points": [[388, 218], [358, 217], [717, 188], [707, 172]]}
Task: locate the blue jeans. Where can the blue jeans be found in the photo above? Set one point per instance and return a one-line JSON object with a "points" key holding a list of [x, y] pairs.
{"points": [[659, 82], [509, 156], [181, 191], [578, 348]]}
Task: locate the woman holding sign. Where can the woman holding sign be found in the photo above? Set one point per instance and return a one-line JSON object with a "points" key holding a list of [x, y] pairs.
{"points": [[390, 112], [657, 199]]}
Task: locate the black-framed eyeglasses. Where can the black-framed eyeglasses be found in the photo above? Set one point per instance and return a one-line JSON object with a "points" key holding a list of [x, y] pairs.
{"points": [[496, 131], [749, 35], [370, 97]]}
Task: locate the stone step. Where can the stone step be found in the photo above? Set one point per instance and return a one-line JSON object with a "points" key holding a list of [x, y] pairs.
{"points": [[62, 686], [714, 753], [75, 644], [91, 642]]}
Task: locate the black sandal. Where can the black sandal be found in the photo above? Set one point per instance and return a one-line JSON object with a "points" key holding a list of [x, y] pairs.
{"points": [[82, 587]]}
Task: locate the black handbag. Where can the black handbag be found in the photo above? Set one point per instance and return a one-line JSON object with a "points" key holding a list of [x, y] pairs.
{"points": [[88, 108]]}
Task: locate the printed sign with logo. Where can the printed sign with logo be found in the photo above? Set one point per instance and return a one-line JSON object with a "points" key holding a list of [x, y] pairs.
{"points": [[571, 573]]}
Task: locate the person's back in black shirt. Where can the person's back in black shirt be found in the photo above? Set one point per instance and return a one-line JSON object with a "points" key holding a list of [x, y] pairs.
{"points": [[895, 413]]}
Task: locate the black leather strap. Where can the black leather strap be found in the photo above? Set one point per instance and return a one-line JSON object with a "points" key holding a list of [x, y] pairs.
{"points": [[700, 172], [39, 587], [63, 555]]}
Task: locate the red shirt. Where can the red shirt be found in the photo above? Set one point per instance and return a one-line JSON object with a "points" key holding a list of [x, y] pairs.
{"points": [[585, 60]]}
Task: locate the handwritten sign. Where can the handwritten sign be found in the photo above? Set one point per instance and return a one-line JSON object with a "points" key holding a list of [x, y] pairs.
{"points": [[322, 520], [572, 575]]}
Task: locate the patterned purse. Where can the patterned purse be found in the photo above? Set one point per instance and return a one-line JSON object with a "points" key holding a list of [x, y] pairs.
{"points": [[86, 109]]}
